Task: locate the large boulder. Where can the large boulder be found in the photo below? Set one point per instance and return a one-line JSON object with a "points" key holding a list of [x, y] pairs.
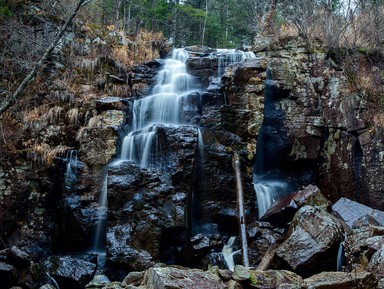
{"points": [[376, 265], [307, 244], [69, 272], [341, 280]]}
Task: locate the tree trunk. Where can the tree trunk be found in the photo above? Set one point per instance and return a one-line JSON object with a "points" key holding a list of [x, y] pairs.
{"points": [[205, 22], [9, 98]]}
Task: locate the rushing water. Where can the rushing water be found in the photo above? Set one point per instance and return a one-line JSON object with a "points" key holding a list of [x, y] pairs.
{"points": [[70, 175], [162, 107], [228, 253], [231, 56]]}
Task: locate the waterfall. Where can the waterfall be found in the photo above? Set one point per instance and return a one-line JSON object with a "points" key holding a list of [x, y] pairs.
{"points": [[263, 197], [98, 242], [228, 253], [267, 191], [70, 175], [231, 56], [162, 107]]}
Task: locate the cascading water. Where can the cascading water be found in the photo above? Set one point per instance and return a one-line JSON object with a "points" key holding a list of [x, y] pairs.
{"points": [[228, 253], [98, 242], [70, 175], [231, 56], [162, 107], [266, 193]]}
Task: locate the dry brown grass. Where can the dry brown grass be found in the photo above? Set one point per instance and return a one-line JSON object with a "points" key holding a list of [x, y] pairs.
{"points": [[73, 116], [92, 122], [44, 154]]}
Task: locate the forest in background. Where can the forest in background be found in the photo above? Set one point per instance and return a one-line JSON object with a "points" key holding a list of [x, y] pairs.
{"points": [[223, 23]]}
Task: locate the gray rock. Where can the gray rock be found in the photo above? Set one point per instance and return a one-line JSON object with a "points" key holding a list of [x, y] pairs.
{"points": [[175, 278], [341, 280], [68, 269], [134, 278], [307, 244], [351, 211], [274, 278], [376, 265]]}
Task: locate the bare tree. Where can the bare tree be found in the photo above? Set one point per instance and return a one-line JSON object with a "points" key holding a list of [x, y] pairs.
{"points": [[9, 98]]}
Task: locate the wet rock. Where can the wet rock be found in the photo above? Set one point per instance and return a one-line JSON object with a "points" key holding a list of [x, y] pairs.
{"points": [[98, 281], [214, 259], [261, 238], [199, 50], [156, 63], [7, 275], [232, 284], [199, 246], [98, 146], [69, 271], [134, 278], [282, 211], [275, 279], [15, 257], [376, 265], [111, 103], [341, 280], [175, 278], [122, 257], [47, 286], [265, 279], [351, 211], [189, 106], [307, 244]]}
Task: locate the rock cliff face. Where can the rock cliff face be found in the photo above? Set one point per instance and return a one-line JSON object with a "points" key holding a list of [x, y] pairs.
{"points": [[293, 109], [329, 130]]}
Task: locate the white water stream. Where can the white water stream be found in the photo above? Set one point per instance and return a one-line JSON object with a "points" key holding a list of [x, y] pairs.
{"points": [[228, 253]]}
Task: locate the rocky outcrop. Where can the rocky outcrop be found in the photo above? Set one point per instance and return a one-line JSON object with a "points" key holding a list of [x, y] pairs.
{"points": [[328, 130]]}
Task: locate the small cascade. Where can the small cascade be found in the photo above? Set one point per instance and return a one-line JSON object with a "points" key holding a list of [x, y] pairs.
{"points": [[139, 146], [341, 256], [52, 281], [200, 144], [70, 175], [228, 253], [266, 193], [264, 198], [98, 242], [231, 56]]}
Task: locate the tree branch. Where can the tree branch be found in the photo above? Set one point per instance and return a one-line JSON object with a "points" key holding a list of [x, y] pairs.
{"points": [[11, 98]]}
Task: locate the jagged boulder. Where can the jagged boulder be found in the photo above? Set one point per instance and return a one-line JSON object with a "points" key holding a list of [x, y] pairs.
{"points": [[341, 280], [351, 212], [69, 272], [307, 244], [376, 265]]}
